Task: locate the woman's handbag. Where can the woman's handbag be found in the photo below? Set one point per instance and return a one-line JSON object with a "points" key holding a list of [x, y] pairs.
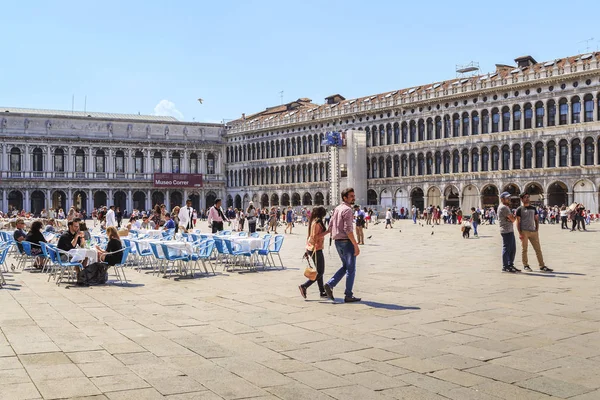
{"points": [[309, 272]]}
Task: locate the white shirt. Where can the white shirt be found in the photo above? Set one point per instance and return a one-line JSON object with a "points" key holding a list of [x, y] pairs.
{"points": [[110, 218], [388, 215], [185, 217]]}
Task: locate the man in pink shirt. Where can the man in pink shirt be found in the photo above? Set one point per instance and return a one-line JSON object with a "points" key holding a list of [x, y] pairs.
{"points": [[342, 231], [216, 217]]}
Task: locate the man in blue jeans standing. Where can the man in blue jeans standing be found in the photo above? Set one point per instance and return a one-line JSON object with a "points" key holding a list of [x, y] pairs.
{"points": [[506, 221], [342, 231]]}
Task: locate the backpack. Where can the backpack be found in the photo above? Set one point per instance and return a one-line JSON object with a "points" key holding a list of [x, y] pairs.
{"points": [[360, 220], [94, 274]]}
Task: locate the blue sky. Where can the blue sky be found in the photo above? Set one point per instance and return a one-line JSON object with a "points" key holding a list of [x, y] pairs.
{"points": [[132, 56]]}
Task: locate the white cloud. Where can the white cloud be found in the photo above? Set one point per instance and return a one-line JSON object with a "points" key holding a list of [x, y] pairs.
{"points": [[166, 108]]}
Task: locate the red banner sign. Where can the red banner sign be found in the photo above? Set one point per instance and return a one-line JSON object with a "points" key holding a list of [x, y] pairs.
{"points": [[178, 180]]}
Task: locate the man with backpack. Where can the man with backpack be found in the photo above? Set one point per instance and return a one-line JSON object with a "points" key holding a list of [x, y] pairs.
{"points": [[359, 216]]}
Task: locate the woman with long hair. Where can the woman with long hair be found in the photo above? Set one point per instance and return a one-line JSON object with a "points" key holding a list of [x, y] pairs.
{"points": [[35, 236], [314, 248], [251, 217], [112, 255]]}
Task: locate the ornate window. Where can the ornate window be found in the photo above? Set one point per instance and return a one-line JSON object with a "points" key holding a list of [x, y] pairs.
{"points": [[465, 160], [475, 160], [210, 164], [517, 156], [588, 105], [495, 120], [551, 154], [455, 162], [528, 116], [575, 153], [157, 162], [575, 110], [413, 131], [176, 163], [139, 162], [528, 156], [455, 125], [38, 160], [589, 151], [551, 113], [15, 159], [563, 152], [485, 121], [485, 159], [505, 158], [421, 130], [539, 155], [475, 123], [505, 119], [447, 162], [495, 158], [438, 127], [563, 111], [59, 160], [516, 117], [79, 161], [429, 129], [465, 124], [119, 162], [194, 163], [539, 114]]}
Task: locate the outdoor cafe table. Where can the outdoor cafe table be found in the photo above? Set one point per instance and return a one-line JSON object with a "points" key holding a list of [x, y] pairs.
{"points": [[179, 246], [153, 233], [80, 254], [246, 243]]}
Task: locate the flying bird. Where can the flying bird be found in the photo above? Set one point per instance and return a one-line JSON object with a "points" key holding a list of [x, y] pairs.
{"points": [[200, 101]]}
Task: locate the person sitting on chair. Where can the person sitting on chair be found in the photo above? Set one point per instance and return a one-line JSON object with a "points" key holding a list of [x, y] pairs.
{"points": [[113, 254]]}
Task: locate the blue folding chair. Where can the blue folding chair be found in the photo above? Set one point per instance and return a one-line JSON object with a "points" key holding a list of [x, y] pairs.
{"points": [[144, 256], [173, 258], [67, 266], [264, 251], [236, 253], [120, 265], [243, 234], [277, 243], [203, 253], [160, 258], [3, 253], [254, 235]]}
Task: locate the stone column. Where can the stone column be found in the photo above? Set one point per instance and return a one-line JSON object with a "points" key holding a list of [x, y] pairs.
{"points": [[129, 201], [202, 166], [149, 169], [90, 202], [168, 200], [167, 166], [48, 163], [4, 201], [568, 112], [570, 196], [69, 201], [26, 201], [129, 165], [184, 167], [149, 200], [4, 159], [26, 166], [110, 200], [185, 196]]}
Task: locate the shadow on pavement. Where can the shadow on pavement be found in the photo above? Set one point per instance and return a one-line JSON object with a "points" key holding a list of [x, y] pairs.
{"points": [[386, 306]]}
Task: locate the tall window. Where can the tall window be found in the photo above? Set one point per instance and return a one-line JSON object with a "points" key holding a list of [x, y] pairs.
{"points": [[438, 127], [429, 129], [563, 151], [465, 124], [404, 132], [517, 156], [528, 116], [551, 154], [421, 130], [119, 162], [79, 161], [516, 118], [588, 106], [438, 162], [396, 134], [447, 126], [563, 110], [575, 110], [38, 160], [528, 156], [589, 151], [485, 121], [15, 159], [495, 120], [551, 113], [475, 160], [59, 160], [455, 161], [475, 125], [539, 114], [465, 160], [157, 162], [193, 163], [100, 161], [455, 125], [403, 166], [210, 164], [139, 162], [412, 164], [575, 153], [495, 158], [485, 159], [505, 119], [505, 158], [413, 131], [420, 164], [176, 163], [381, 135], [447, 162], [539, 155]]}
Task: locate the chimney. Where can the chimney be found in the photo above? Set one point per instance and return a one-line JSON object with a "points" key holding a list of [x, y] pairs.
{"points": [[503, 68], [244, 116], [525, 61]]}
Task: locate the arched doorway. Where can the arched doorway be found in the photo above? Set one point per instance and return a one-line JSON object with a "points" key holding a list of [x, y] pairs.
{"points": [[195, 198], [246, 201], [470, 199], [451, 197], [80, 200], [490, 197], [307, 199], [295, 199], [536, 194], [120, 200], [319, 199], [558, 194], [229, 201], [210, 199], [434, 194], [158, 199], [386, 198], [176, 199], [417, 198], [237, 202], [100, 199], [59, 200], [371, 197], [514, 191], [15, 200], [402, 199], [139, 200], [285, 199], [274, 199], [38, 202], [585, 193], [264, 200]]}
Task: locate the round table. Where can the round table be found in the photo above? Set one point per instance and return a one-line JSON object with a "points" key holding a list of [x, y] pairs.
{"points": [[80, 255]]}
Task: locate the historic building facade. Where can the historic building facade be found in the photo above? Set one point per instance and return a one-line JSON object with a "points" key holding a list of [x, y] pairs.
{"points": [[57, 159], [531, 127]]}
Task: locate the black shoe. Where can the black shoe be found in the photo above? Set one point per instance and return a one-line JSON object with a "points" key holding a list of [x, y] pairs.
{"points": [[351, 299], [323, 295], [329, 292], [515, 269], [302, 291], [526, 268], [546, 269], [508, 269]]}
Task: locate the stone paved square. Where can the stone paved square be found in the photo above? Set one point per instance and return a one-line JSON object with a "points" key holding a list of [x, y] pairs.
{"points": [[438, 320]]}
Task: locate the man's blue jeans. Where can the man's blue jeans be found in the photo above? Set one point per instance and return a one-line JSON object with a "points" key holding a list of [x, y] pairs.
{"points": [[414, 218], [509, 249], [345, 249], [475, 225]]}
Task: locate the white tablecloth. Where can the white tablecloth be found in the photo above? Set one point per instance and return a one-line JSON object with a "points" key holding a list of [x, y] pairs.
{"points": [[246, 243], [80, 254], [179, 246], [153, 233]]}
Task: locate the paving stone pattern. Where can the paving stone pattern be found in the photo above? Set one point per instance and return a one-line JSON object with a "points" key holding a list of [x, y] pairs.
{"points": [[438, 321]]}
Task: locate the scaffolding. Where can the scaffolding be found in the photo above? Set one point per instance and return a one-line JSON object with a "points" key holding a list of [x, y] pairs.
{"points": [[467, 70]]}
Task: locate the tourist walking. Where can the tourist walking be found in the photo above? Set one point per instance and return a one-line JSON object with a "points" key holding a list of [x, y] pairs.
{"points": [[314, 248], [388, 218], [289, 219], [110, 217], [216, 217], [359, 217], [475, 221], [251, 217], [528, 224], [506, 221], [341, 229]]}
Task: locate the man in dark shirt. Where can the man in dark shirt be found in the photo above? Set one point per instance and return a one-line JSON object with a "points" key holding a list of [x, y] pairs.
{"points": [[71, 238], [528, 224], [169, 223], [19, 234]]}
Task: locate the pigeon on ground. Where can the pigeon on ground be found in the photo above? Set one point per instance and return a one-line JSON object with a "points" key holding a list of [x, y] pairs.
{"points": [[432, 232], [370, 237]]}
